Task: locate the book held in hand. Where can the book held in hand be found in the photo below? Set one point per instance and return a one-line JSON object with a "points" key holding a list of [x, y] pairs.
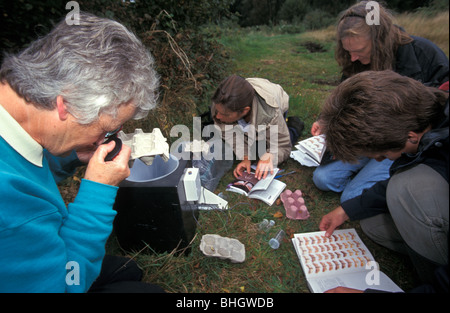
{"points": [[310, 151], [339, 260], [267, 189]]}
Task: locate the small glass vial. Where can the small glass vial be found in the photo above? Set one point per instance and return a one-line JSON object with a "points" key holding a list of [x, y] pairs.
{"points": [[265, 225], [275, 242], [271, 223]]}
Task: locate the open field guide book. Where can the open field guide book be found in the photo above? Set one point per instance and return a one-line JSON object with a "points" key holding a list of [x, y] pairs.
{"points": [[267, 189], [339, 260], [310, 151]]}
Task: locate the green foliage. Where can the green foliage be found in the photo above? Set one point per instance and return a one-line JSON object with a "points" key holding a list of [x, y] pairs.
{"points": [[257, 12], [317, 19], [171, 15], [436, 6], [23, 21], [313, 13], [440, 5], [293, 10]]}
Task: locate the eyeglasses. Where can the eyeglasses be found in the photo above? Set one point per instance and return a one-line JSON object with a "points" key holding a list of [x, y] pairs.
{"points": [[112, 133]]}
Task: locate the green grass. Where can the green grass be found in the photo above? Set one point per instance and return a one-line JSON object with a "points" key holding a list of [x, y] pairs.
{"points": [[283, 59], [307, 78]]}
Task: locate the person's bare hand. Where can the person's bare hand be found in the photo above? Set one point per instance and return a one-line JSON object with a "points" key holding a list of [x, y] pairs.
{"points": [[333, 220], [245, 165], [341, 289], [315, 129], [110, 172], [265, 165]]}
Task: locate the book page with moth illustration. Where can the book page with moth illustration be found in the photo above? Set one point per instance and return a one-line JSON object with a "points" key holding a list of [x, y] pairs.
{"points": [[339, 260]]}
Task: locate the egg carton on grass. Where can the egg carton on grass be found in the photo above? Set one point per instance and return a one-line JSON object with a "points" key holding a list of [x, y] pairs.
{"points": [[294, 205], [223, 248]]}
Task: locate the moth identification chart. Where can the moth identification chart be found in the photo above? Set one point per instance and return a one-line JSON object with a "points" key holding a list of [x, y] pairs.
{"points": [[339, 260]]}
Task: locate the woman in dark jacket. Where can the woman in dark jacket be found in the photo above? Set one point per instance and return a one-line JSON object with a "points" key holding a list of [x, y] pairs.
{"points": [[381, 114], [369, 47]]}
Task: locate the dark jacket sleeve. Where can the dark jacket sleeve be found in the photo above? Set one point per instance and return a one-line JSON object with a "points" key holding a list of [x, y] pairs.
{"points": [[371, 202], [423, 61]]}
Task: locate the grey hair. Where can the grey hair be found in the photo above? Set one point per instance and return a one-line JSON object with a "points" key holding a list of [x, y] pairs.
{"points": [[95, 66]]}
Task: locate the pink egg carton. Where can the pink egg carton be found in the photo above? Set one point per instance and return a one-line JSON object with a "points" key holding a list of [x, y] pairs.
{"points": [[294, 205]]}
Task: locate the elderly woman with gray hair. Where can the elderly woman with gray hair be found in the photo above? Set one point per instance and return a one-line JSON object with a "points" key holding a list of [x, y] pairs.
{"points": [[60, 98]]}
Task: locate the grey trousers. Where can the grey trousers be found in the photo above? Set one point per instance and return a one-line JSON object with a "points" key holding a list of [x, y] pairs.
{"points": [[418, 202]]}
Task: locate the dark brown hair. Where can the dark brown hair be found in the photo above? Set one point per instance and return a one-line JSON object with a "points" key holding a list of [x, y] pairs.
{"points": [[234, 93], [385, 39], [373, 111]]}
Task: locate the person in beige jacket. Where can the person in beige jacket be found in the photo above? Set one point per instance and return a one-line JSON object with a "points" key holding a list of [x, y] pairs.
{"points": [[251, 114]]}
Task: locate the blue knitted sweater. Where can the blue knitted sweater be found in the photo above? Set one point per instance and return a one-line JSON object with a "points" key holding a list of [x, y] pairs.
{"points": [[46, 246]]}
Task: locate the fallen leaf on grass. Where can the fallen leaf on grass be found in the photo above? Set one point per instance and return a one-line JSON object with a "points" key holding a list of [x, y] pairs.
{"points": [[278, 214]]}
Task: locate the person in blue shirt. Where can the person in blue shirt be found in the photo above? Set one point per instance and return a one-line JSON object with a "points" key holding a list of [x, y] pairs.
{"points": [[59, 98]]}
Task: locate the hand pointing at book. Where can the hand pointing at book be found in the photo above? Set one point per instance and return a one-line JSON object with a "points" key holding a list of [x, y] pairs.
{"points": [[333, 220], [315, 129], [265, 165]]}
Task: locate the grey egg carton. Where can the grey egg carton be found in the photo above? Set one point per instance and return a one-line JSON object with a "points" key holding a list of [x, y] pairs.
{"points": [[223, 248]]}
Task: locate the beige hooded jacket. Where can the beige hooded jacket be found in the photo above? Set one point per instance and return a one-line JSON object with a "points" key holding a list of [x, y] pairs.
{"points": [[267, 125]]}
